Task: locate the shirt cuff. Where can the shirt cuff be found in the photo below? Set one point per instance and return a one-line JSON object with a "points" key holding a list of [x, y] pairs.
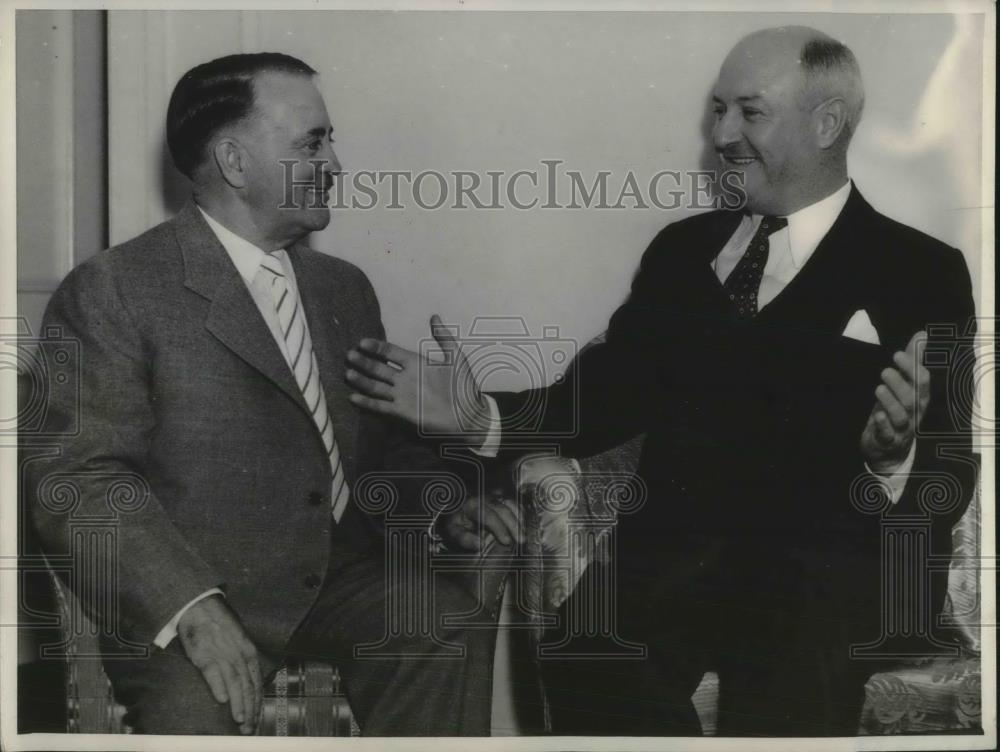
{"points": [[491, 447], [437, 544], [895, 483], [169, 632]]}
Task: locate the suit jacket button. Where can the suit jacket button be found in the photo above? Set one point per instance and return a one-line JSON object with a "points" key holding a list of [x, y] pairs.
{"points": [[311, 581], [315, 498]]}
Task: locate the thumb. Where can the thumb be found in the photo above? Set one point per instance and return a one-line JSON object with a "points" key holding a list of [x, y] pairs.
{"points": [[917, 345], [443, 335]]}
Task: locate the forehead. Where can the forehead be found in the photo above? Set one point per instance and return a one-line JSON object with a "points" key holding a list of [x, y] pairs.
{"points": [[289, 102], [755, 71]]}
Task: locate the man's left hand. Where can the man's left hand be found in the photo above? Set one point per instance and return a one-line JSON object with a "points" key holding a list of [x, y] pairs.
{"points": [[901, 400]]}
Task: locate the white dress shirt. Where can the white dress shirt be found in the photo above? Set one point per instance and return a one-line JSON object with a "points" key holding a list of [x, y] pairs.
{"points": [[246, 257], [790, 248]]}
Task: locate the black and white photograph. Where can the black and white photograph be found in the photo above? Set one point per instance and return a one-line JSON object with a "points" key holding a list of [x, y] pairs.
{"points": [[498, 375]]}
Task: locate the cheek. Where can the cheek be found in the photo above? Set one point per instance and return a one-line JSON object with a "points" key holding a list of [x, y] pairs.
{"points": [[304, 172], [776, 149]]}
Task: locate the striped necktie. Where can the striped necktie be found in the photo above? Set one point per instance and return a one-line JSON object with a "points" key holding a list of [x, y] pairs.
{"points": [[302, 360]]}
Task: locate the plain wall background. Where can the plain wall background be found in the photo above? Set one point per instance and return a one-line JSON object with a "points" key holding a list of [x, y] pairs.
{"points": [[485, 91], [62, 191]]}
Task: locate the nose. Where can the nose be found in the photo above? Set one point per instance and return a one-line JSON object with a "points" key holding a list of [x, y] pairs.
{"points": [[725, 131], [331, 163]]}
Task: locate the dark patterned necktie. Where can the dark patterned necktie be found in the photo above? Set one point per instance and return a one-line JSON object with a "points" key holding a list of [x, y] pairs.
{"points": [[743, 282]]}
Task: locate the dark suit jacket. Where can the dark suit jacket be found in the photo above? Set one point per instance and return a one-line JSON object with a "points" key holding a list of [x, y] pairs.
{"points": [[751, 461], [181, 392]]}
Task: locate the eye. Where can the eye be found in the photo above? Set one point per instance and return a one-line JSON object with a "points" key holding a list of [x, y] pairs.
{"points": [[719, 109], [313, 146], [751, 113]]}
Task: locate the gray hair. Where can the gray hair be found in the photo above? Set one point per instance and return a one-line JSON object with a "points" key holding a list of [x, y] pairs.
{"points": [[832, 70]]}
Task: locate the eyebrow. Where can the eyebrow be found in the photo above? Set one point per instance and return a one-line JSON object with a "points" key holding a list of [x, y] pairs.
{"points": [[745, 98], [317, 132]]}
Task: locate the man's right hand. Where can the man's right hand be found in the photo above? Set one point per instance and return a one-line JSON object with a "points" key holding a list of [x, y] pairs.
{"points": [[479, 521], [440, 399], [215, 642]]}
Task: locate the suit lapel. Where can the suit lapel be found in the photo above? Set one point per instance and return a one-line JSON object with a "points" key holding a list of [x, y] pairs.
{"points": [[829, 286], [233, 317], [324, 301], [711, 245]]}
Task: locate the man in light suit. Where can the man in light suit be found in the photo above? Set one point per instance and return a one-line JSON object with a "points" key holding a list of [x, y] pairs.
{"points": [[773, 359], [211, 381]]}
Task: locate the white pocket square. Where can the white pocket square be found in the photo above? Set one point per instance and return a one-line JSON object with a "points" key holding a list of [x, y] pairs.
{"points": [[860, 328]]}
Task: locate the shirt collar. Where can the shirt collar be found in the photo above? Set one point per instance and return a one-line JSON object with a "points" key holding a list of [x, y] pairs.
{"points": [[809, 225], [244, 254]]}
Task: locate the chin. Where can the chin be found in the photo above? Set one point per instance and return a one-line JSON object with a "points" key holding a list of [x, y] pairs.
{"points": [[759, 201], [318, 219]]}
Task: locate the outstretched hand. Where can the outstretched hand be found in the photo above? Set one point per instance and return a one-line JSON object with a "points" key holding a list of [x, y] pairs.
{"points": [[901, 400], [438, 398]]}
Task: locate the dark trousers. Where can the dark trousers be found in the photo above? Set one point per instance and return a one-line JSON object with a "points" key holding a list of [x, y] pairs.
{"points": [[419, 682], [628, 664]]}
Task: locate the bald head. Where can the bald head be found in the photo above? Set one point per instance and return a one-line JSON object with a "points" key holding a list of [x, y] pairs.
{"points": [[787, 102], [825, 68]]}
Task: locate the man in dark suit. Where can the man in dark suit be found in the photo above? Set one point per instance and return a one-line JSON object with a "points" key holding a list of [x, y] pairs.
{"points": [[774, 360], [210, 383]]}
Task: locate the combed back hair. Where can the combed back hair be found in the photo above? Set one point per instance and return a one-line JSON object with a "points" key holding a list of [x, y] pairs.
{"points": [[832, 70], [215, 94]]}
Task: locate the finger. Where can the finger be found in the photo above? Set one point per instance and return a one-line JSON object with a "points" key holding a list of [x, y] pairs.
{"points": [[919, 342], [246, 694], [487, 542], [923, 391], [388, 352], [906, 364], [458, 523], [213, 677], [901, 389], [516, 511], [376, 369], [382, 407], [509, 516], [494, 523], [234, 688], [895, 411], [468, 540], [442, 334], [884, 432], [256, 680], [371, 387], [924, 381], [916, 346]]}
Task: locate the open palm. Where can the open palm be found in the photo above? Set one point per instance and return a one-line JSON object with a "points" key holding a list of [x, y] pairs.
{"points": [[438, 398]]}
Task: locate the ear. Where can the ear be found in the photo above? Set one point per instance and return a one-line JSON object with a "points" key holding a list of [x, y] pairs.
{"points": [[231, 161], [830, 119]]}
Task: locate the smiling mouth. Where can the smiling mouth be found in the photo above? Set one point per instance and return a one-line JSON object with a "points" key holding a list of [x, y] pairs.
{"points": [[740, 161]]}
